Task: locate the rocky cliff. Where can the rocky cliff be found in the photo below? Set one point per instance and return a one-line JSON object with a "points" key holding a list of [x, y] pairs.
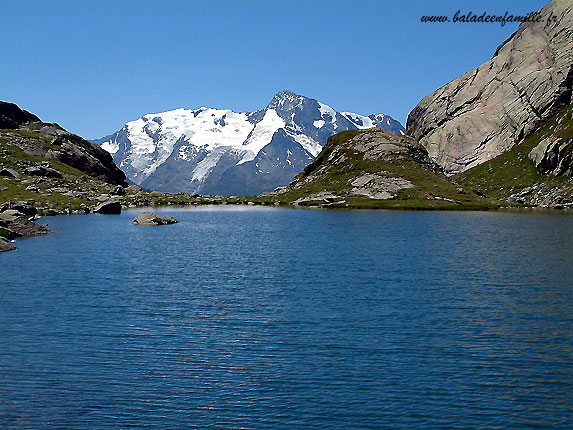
{"points": [[487, 111], [513, 177]]}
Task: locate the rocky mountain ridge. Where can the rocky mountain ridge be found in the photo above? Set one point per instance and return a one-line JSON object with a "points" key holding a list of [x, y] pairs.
{"points": [[488, 110], [43, 167], [219, 151]]}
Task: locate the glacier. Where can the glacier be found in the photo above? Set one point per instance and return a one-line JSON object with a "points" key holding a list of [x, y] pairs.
{"points": [[219, 151]]}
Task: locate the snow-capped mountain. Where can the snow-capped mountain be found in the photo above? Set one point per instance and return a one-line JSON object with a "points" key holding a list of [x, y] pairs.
{"points": [[219, 151]]}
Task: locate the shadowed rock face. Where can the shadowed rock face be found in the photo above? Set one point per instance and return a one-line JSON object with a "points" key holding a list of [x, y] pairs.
{"points": [[489, 109], [87, 157], [11, 116], [554, 153]]}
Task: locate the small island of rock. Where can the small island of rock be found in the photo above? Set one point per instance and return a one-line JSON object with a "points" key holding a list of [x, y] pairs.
{"points": [[147, 218]]}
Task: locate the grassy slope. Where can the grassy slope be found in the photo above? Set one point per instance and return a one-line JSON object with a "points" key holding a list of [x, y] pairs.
{"points": [[338, 177], [512, 171], [11, 156]]}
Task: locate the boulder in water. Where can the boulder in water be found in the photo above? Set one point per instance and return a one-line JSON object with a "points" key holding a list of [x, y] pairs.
{"points": [[109, 207], [147, 218]]}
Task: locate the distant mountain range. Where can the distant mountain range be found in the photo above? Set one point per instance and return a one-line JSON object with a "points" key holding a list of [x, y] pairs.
{"points": [[219, 151]]}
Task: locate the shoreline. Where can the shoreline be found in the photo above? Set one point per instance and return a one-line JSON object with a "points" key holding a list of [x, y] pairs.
{"points": [[28, 228]]}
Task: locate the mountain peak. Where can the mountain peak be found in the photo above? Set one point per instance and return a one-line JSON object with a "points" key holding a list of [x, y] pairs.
{"points": [[286, 93], [215, 151], [286, 97]]}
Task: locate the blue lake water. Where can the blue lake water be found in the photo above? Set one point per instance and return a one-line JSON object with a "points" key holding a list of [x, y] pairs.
{"points": [[245, 317]]}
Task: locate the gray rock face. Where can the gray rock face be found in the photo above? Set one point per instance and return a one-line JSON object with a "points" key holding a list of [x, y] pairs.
{"points": [[378, 187], [43, 170], [148, 218], [554, 153], [486, 111], [109, 207], [133, 189]]}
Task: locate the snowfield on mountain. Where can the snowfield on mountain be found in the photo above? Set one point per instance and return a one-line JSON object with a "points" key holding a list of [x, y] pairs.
{"points": [[219, 151]]}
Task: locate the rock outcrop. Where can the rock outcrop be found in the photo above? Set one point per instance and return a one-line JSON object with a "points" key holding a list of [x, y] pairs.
{"points": [[376, 168], [16, 223], [148, 218], [5, 245], [485, 112], [554, 153], [44, 169], [10, 173], [25, 130], [87, 157], [11, 116]]}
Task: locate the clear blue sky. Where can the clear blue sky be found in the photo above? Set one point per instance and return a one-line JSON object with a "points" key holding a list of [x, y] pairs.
{"points": [[92, 66]]}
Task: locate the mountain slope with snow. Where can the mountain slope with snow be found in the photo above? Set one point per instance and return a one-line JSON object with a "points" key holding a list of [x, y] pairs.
{"points": [[219, 151]]}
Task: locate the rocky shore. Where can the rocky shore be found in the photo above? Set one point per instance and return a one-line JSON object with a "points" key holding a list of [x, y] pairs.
{"points": [[16, 221]]}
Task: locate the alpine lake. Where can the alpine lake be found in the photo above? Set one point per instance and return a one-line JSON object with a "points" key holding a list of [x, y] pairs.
{"points": [[257, 317]]}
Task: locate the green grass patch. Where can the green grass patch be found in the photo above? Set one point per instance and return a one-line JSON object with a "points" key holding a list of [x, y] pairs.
{"points": [[512, 171], [12, 155], [432, 190], [17, 191]]}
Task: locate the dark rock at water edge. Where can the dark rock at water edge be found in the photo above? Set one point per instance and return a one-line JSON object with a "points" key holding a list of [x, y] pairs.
{"points": [[16, 224], [110, 207], [23, 207], [5, 245], [148, 218]]}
